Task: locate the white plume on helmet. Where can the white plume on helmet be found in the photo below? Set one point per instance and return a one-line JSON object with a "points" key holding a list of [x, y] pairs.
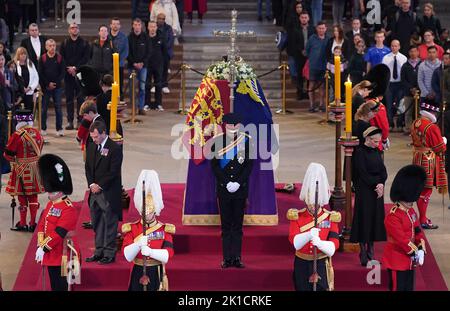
{"points": [[315, 172], [153, 187]]}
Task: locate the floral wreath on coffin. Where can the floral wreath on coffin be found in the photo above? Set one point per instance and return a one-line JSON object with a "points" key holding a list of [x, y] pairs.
{"points": [[221, 70]]}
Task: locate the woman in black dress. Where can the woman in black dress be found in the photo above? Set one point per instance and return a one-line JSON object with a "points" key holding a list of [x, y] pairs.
{"points": [[369, 177]]}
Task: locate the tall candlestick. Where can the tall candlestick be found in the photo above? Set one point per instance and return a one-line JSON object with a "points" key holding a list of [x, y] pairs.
{"points": [[348, 107], [116, 67], [337, 79], [114, 103]]}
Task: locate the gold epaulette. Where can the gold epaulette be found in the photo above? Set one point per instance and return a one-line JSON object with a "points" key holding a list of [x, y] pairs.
{"points": [[334, 216], [68, 202], [292, 214], [126, 227], [169, 228]]}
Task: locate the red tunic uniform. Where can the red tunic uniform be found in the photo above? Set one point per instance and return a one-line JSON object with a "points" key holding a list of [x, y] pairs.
{"points": [[23, 150], [404, 237], [327, 222], [302, 221], [381, 121], [58, 218], [429, 148], [160, 237]]}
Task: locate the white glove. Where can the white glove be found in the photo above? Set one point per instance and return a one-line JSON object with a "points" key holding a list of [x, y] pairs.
{"points": [[39, 255], [314, 232], [143, 240], [301, 239], [131, 251], [420, 257], [445, 140], [326, 247], [387, 144], [146, 251], [232, 186]]}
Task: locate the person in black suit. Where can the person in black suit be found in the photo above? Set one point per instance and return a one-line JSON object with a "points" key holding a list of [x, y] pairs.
{"points": [[103, 173], [298, 34], [232, 166], [34, 44]]}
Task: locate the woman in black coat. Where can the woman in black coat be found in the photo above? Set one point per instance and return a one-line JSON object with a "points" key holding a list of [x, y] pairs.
{"points": [[369, 177]]}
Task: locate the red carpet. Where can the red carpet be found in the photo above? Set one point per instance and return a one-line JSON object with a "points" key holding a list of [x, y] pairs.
{"points": [[196, 265]]}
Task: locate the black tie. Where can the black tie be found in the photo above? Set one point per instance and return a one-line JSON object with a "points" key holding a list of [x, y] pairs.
{"points": [[395, 73]]}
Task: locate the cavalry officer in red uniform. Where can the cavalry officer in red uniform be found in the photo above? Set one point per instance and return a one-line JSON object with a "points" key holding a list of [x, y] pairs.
{"points": [[23, 150], [156, 246], [429, 152], [55, 249], [305, 236], [406, 245]]}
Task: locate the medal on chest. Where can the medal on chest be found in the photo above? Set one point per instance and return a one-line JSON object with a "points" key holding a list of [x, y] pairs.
{"points": [[55, 212]]}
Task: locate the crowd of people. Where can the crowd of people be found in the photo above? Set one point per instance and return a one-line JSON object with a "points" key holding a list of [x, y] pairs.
{"points": [[410, 40]]}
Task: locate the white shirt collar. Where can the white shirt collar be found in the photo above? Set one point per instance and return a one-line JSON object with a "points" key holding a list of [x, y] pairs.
{"points": [[102, 145]]}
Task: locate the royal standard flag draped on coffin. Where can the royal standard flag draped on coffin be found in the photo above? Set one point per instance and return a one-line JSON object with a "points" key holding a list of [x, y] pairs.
{"points": [[210, 103]]}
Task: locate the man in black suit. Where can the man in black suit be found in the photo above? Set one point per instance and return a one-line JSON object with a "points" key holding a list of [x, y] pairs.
{"points": [[232, 166], [298, 35], [356, 29], [34, 44], [103, 173]]}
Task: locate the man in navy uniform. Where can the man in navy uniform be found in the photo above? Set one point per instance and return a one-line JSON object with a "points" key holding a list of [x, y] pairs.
{"points": [[232, 166]]}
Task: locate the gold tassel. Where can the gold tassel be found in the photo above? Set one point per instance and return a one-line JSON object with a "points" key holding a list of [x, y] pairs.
{"points": [[64, 265], [330, 273], [164, 284]]}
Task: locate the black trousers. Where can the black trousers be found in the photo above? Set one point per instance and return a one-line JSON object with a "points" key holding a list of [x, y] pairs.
{"points": [[300, 62], [154, 78], [104, 223], [400, 281], [151, 272], [72, 91], [28, 100], [231, 217], [57, 282], [165, 73], [303, 270]]}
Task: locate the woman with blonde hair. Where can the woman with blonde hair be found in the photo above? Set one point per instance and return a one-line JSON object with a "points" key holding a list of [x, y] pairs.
{"points": [[362, 118], [27, 73], [429, 21]]}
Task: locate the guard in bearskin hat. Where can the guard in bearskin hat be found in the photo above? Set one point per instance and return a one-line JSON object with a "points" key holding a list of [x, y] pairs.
{"points": [[23, 150], [405, 248], [429, 152], [152, 250], [56, 249], [380, 76], [89, 80]]}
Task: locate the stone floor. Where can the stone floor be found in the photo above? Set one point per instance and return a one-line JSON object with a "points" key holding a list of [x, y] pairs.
{"points": [[155, 145]]}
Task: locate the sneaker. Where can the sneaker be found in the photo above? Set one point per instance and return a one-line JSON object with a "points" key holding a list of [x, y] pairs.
{"points": [[60, 133], [43, 133], [69, 126], [168, 71], [259, 18], [146, 108], [141, 112], [166, 90], [152, 90], [160, 108]]}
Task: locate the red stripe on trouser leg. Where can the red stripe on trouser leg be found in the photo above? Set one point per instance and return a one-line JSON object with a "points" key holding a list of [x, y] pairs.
{"points": [[23, 206], [422, 204], [34, 206], [394, 280]]}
